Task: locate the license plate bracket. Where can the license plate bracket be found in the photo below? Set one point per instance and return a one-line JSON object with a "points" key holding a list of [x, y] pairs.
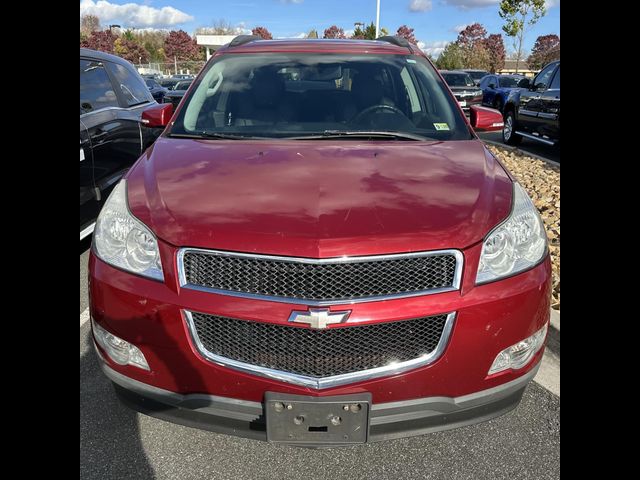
{"points": [[317, 421]]}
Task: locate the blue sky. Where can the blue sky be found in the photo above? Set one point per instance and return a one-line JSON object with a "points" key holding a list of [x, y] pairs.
{"points": [[436, 22]]}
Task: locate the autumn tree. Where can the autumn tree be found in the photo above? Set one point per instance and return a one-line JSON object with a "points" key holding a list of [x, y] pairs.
{"points": [[102, 41], [313, 33], [89, 24], [545, 50], [153, 42], [179, 45], [495, 48], [334, 32], [519, 16], [406, 33], [262, 32], [370, 32], [219, 27], [451, 58], [131, 50], [472, 44]]}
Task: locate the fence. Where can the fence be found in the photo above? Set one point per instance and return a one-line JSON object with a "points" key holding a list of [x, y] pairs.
{"points": [[170, 68]]}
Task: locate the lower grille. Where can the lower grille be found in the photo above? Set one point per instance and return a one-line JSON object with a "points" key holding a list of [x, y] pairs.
{"points": [[320, 353]]}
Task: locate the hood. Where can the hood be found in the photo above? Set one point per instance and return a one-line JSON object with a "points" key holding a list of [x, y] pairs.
{"points": [[320, 198]]}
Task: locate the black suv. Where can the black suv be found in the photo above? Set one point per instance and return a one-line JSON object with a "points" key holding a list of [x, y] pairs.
{"points": [[112, 98], [533, 110]]}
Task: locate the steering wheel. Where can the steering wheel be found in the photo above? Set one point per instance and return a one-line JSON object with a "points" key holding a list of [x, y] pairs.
{"points": [[374, 108]]}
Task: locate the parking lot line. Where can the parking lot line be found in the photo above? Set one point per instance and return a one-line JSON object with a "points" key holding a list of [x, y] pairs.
{"points": [[84, 316]]}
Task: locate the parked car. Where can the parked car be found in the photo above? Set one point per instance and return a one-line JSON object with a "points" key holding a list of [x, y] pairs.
{"points": [[496, 89], [112, 98], [476, 75], [533, 110], [328, 265], [169, 82], [463, 87], [157, 91], [174, 95]]}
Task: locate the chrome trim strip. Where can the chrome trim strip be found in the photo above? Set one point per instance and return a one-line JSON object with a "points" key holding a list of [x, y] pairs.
{"points": [[127, 109], [322, 382], [87, 231], [457, 278]]}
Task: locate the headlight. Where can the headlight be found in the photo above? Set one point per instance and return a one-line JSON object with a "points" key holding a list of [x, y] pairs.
{"points": [[519, 355], [123, 241], [517, 244]]}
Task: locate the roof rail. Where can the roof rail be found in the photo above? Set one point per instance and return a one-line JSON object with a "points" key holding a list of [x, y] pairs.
{"points": [[242, 39], [395, 40]]}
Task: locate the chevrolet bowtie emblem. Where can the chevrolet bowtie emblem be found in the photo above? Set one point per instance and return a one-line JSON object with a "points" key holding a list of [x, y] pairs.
{"points": [[319, 317]]}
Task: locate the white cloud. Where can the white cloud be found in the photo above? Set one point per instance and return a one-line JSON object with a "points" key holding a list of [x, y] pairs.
{"points": [[133, 14], [459, 28], [433, 48], [420, 5], [551, 3]]}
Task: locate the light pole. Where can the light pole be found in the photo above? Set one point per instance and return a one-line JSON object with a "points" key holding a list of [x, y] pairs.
{"points": [[111, 26], [377, 18]]}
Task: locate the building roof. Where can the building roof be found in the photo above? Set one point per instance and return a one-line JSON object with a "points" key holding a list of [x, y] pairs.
{"points": [[511, 65]]}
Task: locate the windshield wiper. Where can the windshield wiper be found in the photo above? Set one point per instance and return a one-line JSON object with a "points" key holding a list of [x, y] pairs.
{"points": [[328, 134], [224, 136]]}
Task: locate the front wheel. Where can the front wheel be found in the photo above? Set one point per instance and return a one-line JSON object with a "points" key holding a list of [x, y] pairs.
{"points": [[509, 135]]}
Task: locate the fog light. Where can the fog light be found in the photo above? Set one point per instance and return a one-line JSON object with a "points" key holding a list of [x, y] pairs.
{"points": [[119, 350], [518, 355]]}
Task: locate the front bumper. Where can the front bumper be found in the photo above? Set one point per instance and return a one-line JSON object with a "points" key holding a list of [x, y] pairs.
{"points": [[387, 421]]}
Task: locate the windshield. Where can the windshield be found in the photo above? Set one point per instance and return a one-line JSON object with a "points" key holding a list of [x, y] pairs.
{"points": [[458, 79], [509, 82], [300, 94]]}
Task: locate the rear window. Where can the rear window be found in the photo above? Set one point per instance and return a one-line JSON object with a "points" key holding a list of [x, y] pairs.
{"points": [[96, 90], [132, 88], [289, 95], [458, 79]]}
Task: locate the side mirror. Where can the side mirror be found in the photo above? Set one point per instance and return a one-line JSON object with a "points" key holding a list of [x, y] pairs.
{"points": [[524, 83], [492, 85], [157, 116], [484, 119]]}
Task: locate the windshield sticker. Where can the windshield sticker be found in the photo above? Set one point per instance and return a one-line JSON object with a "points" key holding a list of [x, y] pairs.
{"points": [[441, 126], [410, 60]]}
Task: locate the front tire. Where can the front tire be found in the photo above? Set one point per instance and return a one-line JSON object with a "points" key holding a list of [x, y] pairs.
{"points": [[509, 135]]}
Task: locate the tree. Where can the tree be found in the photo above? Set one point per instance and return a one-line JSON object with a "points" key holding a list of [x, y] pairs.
{"points": [[495, 48], [407, 33], [471, 41], [545, 50], [334, 32], [370, 32], [131, 50], [262, 32], [313, 34], [180, 45], [358, 34], [220, 27], [472, 36], [451, 58], [515, 14], [89, 24], [102, 41]]}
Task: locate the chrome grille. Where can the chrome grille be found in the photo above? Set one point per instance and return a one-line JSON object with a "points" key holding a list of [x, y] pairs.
{"points": [[322, 281], [320, 353]]}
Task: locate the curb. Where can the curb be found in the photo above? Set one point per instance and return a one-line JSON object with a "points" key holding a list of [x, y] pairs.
{"points": [[521, 152]]}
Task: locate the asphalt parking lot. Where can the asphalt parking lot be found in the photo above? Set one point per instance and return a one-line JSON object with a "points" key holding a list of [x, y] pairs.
{"points": [[118, 443], [529, 146]]}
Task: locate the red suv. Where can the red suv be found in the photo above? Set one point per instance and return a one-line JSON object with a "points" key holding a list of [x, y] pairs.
{"points": [[318, 250]]}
